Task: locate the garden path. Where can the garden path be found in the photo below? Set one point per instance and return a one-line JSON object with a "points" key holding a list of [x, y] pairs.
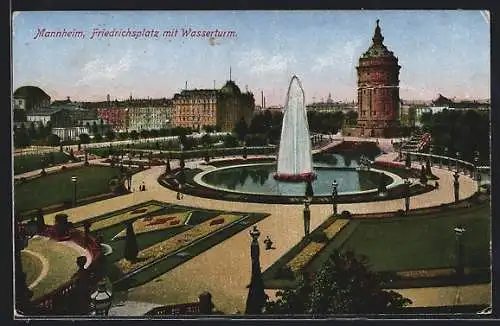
{"points": [[224, 270]]}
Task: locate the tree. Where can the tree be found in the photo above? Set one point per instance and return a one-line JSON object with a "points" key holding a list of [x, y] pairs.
{"points": [[131, 248], [97, 138], [110, 135], [21, 137], [241, 129], [95, 129], [32, 131], [343, 285], [84, 138], [230, 141], [154, 133], [145, 133], [53, 140], [134, 135]]}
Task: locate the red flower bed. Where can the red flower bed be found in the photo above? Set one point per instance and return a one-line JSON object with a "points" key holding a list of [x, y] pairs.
{"points": [[174, 222], [306, 176], [140, 211], [391, 164], [162, 220], [217, 221]]}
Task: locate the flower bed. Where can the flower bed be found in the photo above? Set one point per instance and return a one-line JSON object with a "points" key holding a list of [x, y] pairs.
{"points": [[217, 221], [305, 255], [156, 223], [176, 242], [123, 217]]}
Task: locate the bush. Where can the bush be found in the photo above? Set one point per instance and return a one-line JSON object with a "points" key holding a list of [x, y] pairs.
{"points": [[346, 215], [64, 167], [400, 213], [318, 236]]}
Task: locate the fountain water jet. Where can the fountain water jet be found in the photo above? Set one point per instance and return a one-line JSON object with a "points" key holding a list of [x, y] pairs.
{"points": [[295, 152]]}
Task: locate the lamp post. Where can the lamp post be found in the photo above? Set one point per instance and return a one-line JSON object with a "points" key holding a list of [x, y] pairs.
{"points": [[335, 186], [101, 299], [407, 194], [459, 231], [307, 218], [456, 185], [477, 176], [74, 179], [456, 161]]}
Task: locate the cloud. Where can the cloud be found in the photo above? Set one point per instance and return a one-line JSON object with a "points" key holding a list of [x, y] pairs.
{"points": [[105, 68], [345, 56], [259, 62]]}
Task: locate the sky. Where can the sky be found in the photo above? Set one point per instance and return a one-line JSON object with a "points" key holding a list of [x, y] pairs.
{"points": [[441, 52]]}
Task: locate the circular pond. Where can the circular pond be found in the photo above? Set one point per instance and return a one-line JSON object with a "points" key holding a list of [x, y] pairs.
{"points": [[258, 178]]}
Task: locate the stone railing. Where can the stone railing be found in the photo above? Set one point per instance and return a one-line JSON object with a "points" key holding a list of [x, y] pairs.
{"points": [[440, 161], [72, 297]]}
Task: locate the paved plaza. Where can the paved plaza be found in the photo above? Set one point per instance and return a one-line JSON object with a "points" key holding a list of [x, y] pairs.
{"points": [[224, 270]]}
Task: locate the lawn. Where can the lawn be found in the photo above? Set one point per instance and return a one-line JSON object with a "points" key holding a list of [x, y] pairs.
{"points": [[58, 188], [423, 242], [61, 260], [25, 163], [32, 266]]}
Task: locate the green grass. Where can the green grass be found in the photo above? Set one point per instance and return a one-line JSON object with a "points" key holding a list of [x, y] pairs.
{"points": [[26, 163], [32, 266], [58, 188], [170, 262], [423, 242], [62, 264]]}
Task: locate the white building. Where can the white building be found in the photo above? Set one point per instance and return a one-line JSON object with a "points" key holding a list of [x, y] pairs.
{"points": [[70, 133]]}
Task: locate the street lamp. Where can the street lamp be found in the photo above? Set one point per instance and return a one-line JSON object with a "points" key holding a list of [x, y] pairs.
{"points": [[309, 192], [101, 299], [307, 218], [459, 231], [458, 157], [335, 193], [476, 170], [74, 180], [407, 184], [456, 185]]}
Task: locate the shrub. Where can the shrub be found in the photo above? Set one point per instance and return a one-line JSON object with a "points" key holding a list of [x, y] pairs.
{"points": [[217, 221], [64, 167], [400, 213], [346, 214], [318, 236]]}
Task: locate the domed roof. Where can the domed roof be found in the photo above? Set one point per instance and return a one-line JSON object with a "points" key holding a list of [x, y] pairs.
{"points": [[31, 92], [230, 88], [377, 49]]}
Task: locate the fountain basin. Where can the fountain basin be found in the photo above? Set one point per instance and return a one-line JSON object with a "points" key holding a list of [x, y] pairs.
{"points": [[258, 179]]}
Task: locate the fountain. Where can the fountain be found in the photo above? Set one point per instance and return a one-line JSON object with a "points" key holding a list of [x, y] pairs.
{"points": [[295, 153]]}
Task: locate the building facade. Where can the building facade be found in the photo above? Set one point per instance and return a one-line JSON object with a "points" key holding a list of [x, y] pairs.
{"points": [[30, 98], [57, 117], [149, 117], [378, 90], [70, 133], [212, 107], [117, 117]]}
